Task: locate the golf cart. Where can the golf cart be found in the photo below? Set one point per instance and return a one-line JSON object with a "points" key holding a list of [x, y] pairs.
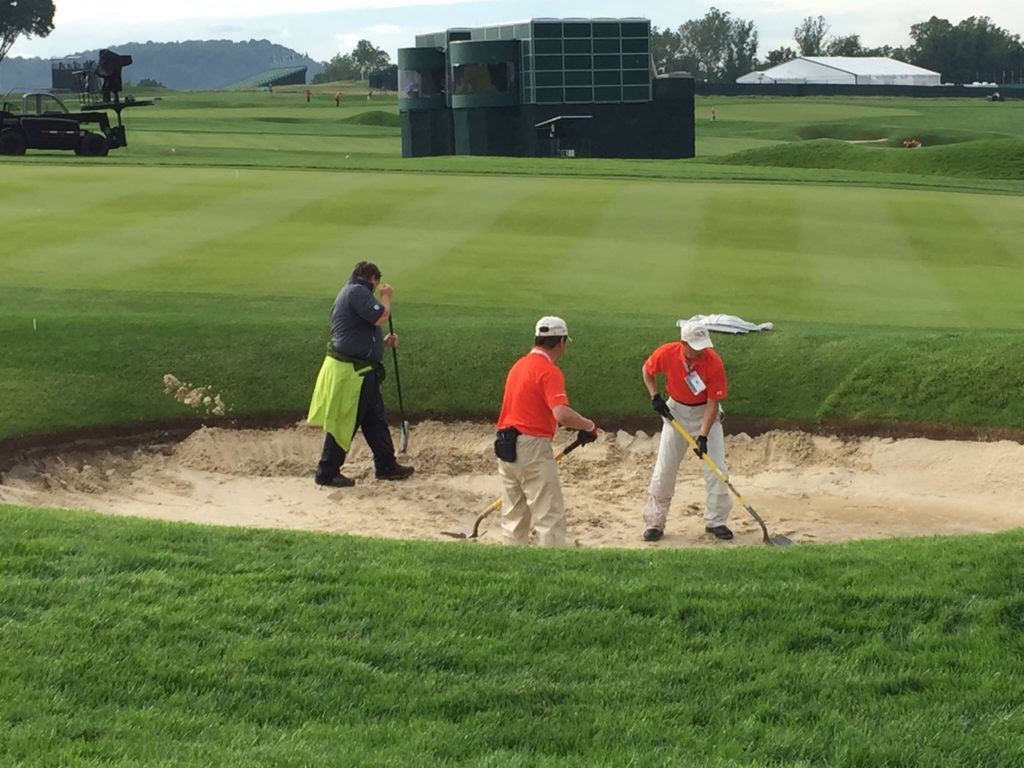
{"points": [[44, 122]]}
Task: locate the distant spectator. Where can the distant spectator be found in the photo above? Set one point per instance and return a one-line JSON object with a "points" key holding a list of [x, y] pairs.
{"points": [[337, 98], [714, 114], [309, 95], [369, 95]]}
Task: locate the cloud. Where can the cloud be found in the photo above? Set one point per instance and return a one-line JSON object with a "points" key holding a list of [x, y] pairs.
{"points": [[133, 11]]}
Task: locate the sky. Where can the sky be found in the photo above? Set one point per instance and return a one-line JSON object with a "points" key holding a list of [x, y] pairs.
{"points": [[322, 28]]}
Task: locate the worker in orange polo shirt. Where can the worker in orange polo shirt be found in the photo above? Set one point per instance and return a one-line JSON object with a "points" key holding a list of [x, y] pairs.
{"points": [[535, 402], [696, 384]]}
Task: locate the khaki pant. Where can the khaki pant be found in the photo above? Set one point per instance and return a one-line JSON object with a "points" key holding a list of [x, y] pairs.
{"points": [[532, 495], [671, 452]]}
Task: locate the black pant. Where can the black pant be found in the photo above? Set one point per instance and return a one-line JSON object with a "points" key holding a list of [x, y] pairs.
{"points": [[372, 417]]}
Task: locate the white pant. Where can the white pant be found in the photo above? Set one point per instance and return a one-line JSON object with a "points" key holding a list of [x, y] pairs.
{"points": [[532, 495], [671, 452]]}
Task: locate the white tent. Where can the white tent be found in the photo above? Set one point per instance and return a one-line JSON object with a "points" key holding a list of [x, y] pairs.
{"points": [[843, 70]]}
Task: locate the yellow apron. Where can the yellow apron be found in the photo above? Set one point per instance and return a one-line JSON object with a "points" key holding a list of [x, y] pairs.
{"points": [[336, 399]]}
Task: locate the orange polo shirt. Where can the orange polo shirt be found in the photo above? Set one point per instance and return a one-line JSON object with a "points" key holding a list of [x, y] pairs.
{"points": [[534, 386], [669, 359]]}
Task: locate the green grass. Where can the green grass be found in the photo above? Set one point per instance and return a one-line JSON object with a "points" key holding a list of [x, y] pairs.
{"points": [[896, 293], [990, 159], [138, 643], [280, 130], [887, 302]]}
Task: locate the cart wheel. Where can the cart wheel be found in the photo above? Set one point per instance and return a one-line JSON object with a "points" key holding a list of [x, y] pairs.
{"points": [[12, 142], [93, 145]]}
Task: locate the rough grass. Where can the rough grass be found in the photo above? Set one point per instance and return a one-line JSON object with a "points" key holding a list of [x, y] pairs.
{"points": [[140, 643]]}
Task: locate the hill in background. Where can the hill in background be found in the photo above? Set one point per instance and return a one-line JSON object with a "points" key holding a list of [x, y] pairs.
{"points": [[192, 64]]}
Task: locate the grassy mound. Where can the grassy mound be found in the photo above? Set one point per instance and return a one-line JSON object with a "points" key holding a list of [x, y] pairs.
{"points": [[376, 117], [991, 159], [143, 643], [893, 135]]}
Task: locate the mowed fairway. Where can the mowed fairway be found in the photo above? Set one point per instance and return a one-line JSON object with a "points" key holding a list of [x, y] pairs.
{"points": [[195, 271]]}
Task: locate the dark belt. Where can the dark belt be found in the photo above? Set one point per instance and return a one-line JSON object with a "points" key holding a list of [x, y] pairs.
{"points": [[358, 363], [692, 405]]}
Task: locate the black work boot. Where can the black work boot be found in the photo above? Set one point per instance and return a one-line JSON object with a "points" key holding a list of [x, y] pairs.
{"points": [[653, 534], [719, 532], [396, 472], [339, 481]]}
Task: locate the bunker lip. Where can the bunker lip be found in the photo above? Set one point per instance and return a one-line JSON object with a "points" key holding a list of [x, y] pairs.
{"points": [[18, 447], [809, 488]]}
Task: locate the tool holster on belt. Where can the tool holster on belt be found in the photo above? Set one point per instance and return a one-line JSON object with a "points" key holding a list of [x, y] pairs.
{"points": [[505, 444]]}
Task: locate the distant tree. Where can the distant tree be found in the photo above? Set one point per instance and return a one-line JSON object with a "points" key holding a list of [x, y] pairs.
{"points": [[368, 57], [23, 17], [779, 56], [844, 45], [974, 49], [339, 68], [148, 82], [719, 46], [741, 53], [810, 35], [666, 48], [900, 54]]}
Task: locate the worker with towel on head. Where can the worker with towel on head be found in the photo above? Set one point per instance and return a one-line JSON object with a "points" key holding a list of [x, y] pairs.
{"points": [[696, 384]]}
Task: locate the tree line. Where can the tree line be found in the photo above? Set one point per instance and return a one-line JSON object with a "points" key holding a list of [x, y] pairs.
{"points": [[357, 65], [721, 47]]}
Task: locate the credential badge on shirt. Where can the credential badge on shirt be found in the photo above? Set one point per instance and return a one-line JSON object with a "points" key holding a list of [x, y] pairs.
{"points": [[695, 382]]}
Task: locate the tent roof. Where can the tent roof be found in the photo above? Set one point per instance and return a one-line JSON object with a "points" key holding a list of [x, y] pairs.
{"points": [[867, 65]]}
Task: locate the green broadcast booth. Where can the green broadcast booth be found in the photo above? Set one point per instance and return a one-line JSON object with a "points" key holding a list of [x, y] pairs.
{"points": [[423, 102], [485, 96], [546, 87]]}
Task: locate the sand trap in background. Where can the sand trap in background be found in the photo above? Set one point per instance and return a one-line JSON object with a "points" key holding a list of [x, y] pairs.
{"points": [[812, 489]]}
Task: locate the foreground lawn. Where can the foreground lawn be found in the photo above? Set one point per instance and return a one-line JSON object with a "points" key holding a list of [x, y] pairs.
{"points": [[138, 643], [887, 302]]}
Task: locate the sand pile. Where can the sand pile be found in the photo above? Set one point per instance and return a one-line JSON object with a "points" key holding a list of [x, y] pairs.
{"points": [[808, 488]]}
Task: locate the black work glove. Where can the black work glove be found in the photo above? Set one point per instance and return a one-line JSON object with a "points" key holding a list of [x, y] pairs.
{"points": [[586, 437], [660, 406], [702, 446]]}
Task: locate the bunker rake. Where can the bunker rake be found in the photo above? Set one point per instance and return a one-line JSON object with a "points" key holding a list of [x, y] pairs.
{"points": [[772, 541], [496, 504]]}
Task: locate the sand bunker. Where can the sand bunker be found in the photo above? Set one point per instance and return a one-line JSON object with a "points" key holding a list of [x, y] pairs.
{"points": [[812, 489]]}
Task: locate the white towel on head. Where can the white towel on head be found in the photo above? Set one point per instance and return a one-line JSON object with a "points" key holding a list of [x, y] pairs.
{"points": [[727, 324]]}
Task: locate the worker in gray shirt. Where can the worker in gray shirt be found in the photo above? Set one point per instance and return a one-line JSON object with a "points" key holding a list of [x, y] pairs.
{"points": [[357, 339]]}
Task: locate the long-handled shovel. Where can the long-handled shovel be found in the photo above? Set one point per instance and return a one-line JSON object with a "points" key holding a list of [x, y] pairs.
{"points": [[496, 504], [403, 445], [772, 541]]}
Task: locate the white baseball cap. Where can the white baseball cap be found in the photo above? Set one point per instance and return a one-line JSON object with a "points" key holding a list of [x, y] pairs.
{"points": [[695, 334], [551, 326]]}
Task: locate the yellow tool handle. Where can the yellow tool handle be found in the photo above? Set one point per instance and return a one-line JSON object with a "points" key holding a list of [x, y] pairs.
{"points": [[709, 461]]}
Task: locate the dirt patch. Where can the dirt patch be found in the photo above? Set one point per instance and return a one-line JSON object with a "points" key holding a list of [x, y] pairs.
{"points": [[808, 487]]}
